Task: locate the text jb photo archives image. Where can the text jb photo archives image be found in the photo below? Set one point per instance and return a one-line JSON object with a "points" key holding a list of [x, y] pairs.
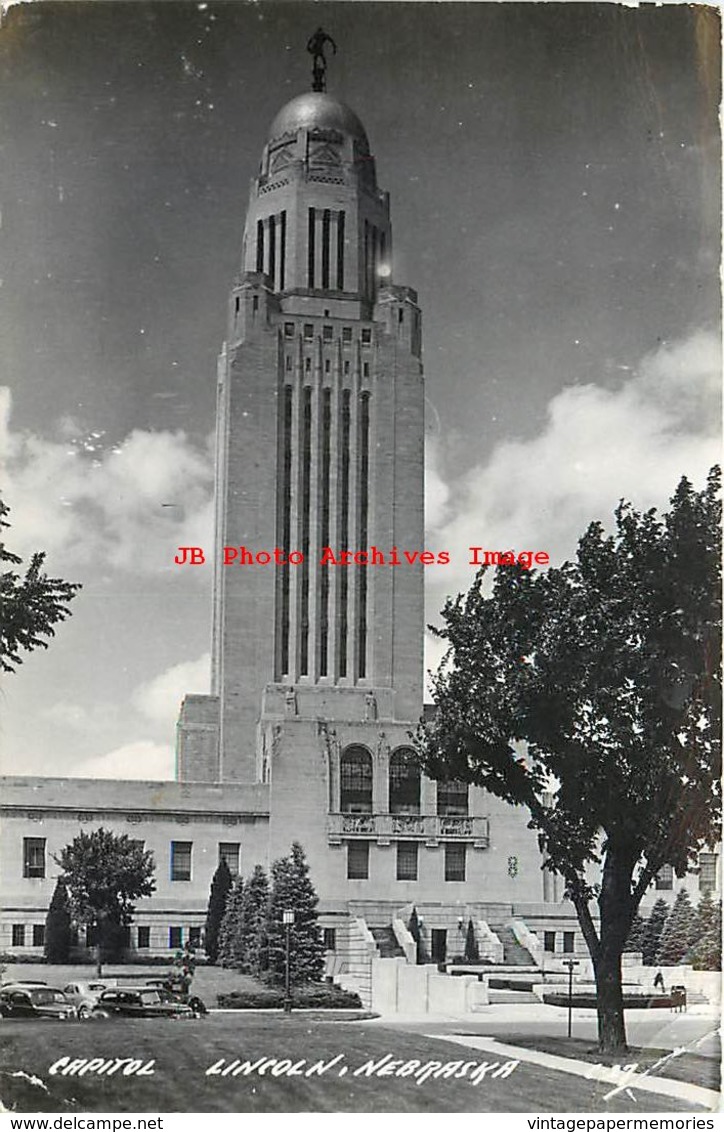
{"points": [[360, 630]]}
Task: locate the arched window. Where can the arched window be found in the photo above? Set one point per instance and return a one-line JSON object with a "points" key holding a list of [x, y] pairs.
{"points": [[452, 799], [404, 782], [355, 781]]}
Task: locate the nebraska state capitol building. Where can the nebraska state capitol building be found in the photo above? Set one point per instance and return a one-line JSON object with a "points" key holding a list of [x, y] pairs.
{"points": [[317, 672]]}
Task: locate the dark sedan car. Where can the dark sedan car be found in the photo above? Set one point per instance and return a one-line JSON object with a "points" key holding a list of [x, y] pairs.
{"points": [[140, 1002], [35, 1002]]}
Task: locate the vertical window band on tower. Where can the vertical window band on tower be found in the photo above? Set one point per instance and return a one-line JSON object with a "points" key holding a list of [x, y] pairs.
{"points": [[344, 530], [340, 251], [286, 529], [364, 493], [260, 245], [283, 250], [326, 220], [272, 250], [306, 510], [324, 532], [310, 247]]}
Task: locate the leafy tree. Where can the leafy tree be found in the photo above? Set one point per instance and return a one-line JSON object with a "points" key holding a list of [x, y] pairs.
{"points": [[677, 934], [30, 604], [251, 940], [292, 890], [591, 695], [105, 873], [653, 928], [58, 926], [636, 934], [472, 952], [230, 924], [220, 888]]}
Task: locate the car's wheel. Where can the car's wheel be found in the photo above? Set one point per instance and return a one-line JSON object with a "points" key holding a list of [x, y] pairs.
{"points": [[84, 1013]]}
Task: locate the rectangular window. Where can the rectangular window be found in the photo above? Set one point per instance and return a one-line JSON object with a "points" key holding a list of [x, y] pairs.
{"points": [[307, 365], [288, 329], [330, 939], [33, 856], [366, 337], [18, 935], [312, 223], [272, 272], [38, 935], [358, 860], [195, 936], [455, 861], [175, 937], [664, 879], [326, 221], [229, 852], [144, 937], [308, 331], [327, 333], [283, 254], [569, 942], [549, 942], [346, 367], [260, 245], [707, 872], [288, 363], [181, 860], [346, 333], [340, 251], [452, 799], [407, 860], [327, 368]]}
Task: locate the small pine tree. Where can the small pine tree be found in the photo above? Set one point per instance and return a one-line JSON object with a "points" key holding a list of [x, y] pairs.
{"points": [[705, 954], [251, 947], [292, 890], [472, 952], [230, 924], [652, 932], [677, 934], [220, 887], [413, 926], [58, 926], [636, 935]]}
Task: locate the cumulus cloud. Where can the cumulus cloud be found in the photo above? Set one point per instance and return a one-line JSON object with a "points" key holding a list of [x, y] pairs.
{"points": [[598, 445], [143, 759], [128, 506], [159, 699]]}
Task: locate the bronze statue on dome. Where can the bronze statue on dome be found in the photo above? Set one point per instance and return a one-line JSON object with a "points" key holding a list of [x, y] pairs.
{"points": [[315, 47]]}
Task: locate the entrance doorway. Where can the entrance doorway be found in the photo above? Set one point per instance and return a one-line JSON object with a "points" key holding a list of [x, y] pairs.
{"points": [[439, 945]]}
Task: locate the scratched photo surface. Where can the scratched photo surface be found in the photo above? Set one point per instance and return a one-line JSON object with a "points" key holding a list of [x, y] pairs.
{"points": [[553, 173]]}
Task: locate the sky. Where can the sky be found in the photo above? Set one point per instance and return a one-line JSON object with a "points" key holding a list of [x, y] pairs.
{"points": [[554, 178]]}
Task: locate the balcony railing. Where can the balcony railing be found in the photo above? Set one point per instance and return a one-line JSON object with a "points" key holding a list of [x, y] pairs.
{"points": [[410, 827]]}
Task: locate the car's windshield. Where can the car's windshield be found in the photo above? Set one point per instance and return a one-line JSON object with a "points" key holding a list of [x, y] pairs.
{"points": [[150, 997]]}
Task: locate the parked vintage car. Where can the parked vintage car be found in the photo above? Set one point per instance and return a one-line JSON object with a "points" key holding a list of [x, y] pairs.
{"points": [[140, 1002], [85, 995], [18, 1000]]}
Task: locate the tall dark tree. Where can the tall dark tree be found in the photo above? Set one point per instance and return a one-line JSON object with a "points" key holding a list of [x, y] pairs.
{"points": [[591, 694], [651, 934], [58, 926], [230, 925], [105, 873], [679, 931], [251, 945], [472, 952], [31, 604], [292, 890], [220, 888]]}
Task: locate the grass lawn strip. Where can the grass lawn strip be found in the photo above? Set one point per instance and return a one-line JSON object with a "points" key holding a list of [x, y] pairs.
{"points": [[662, 1086], [183, 1051], [694, 1068]]}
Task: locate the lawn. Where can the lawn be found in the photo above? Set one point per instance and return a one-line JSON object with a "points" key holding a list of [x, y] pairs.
{"points": [[693, 1068], [183, 1051]]}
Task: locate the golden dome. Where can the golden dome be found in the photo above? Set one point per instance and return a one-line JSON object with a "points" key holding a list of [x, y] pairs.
{"points": [[317, 111]]}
